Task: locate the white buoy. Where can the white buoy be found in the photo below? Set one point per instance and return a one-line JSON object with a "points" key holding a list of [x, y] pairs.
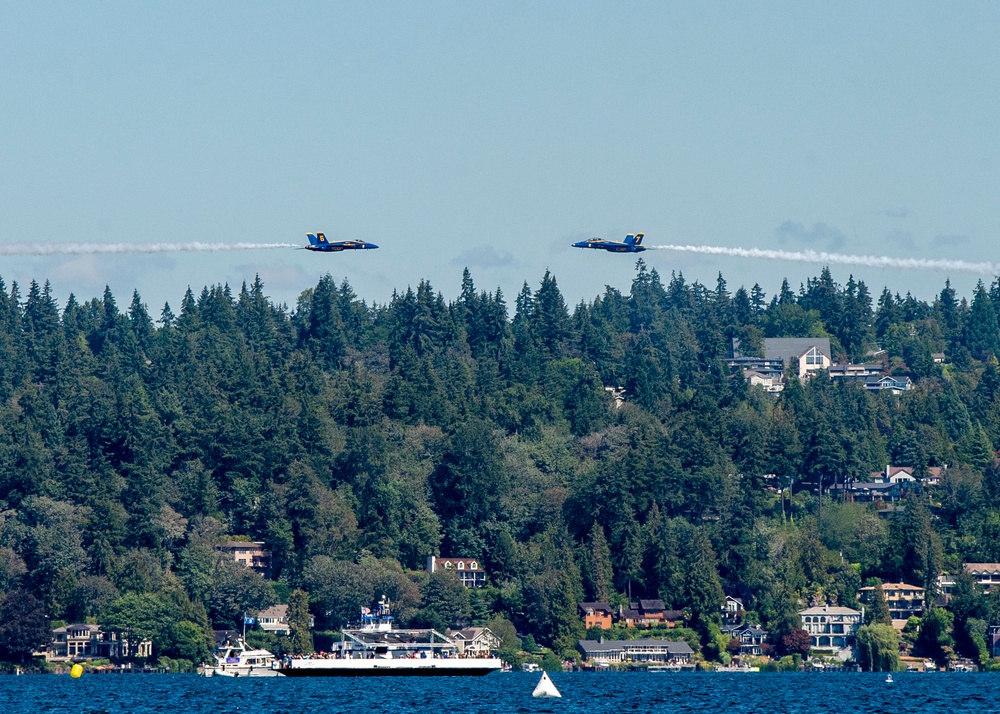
{"points": [[888, 679], [545, 688]]}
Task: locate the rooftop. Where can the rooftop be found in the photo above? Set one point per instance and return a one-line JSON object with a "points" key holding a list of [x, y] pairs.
{"points": [[829, 610], [786, 348], [596, 646]]}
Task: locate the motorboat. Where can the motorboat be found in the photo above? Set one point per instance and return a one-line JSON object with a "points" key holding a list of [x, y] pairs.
{"points": [[235, 659]]}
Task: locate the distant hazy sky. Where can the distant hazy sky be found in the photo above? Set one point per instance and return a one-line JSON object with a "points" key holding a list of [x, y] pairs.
{"points": [[492, 135]]}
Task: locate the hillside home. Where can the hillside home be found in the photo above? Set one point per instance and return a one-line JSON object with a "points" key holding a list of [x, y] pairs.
{"points": [[648, 613], [595, 614], [893, 384], [468, 570], [732, 611], [805, 355], [904, 601], [251, 554]]}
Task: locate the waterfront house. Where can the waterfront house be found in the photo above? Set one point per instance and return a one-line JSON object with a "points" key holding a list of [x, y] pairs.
{"points": [[752, 638], [640, 650], [80, 641], [474, 641], [831, 630]]}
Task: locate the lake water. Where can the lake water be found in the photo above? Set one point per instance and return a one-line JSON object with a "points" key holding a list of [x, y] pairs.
{"points": [[583, 693]]}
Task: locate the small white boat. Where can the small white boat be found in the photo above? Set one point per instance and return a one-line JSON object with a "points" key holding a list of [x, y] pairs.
{"points": [[530, 667], [546, 689], [663, 668], [737, 668], [235, 660]]}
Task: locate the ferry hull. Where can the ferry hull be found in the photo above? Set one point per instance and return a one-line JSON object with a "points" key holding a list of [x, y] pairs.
{"points": [[391, 668]]}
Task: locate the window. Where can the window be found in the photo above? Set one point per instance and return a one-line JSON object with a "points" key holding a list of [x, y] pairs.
{"points": [[814, 356], [461, 565], [474, 565]]}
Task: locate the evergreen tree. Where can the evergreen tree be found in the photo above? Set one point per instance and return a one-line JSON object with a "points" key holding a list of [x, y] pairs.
{"points": [[702, 586], [598, 573], [878, 607], [298, 623]]}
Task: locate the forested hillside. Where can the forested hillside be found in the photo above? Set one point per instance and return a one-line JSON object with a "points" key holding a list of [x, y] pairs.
{"points": [[357, 439]]}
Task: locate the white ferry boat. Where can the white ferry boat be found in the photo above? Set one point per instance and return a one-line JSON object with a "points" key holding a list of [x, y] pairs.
{"points": [[376, 648], [235, 660]]}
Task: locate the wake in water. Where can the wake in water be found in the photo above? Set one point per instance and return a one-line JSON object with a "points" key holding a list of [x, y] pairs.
{"points": [[91, 248], [866, 261]]}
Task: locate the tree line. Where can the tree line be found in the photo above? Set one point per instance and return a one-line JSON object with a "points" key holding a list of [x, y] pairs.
{"points": [[355, 439]]}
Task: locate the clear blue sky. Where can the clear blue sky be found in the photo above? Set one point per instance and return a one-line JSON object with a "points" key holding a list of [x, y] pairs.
{"points": [[492, 135]]}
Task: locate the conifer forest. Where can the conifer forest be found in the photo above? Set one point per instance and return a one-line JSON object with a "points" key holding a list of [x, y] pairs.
{"points": [[597, 452]]}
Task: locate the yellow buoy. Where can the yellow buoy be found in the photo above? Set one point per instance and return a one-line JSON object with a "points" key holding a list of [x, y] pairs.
{"points": [[75, 671]]}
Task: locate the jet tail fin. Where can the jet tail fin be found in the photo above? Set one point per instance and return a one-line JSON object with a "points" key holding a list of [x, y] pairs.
{"points": [[316, 238], [639, 237]]}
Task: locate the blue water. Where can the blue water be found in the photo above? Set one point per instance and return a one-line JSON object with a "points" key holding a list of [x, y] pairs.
{"points": [[840, 693]]}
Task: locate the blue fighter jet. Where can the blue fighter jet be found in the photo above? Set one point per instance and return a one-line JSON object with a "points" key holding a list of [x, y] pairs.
{"points": [[318, 242], [631, 244]]}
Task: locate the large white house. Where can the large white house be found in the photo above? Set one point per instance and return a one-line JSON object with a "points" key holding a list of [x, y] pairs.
{"points": [[832, 630], [805, 354]]}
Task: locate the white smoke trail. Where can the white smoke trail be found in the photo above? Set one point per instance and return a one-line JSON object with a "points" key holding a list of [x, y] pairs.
{"points": [[867, 261], [91, 248]]}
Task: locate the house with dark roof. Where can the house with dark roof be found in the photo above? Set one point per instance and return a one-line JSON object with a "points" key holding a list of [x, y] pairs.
{"points": [[752, 638], [855, 372], [892, 384], [640, 650], [732, 610], [648, 613], [595, 614], [875, 491]]}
